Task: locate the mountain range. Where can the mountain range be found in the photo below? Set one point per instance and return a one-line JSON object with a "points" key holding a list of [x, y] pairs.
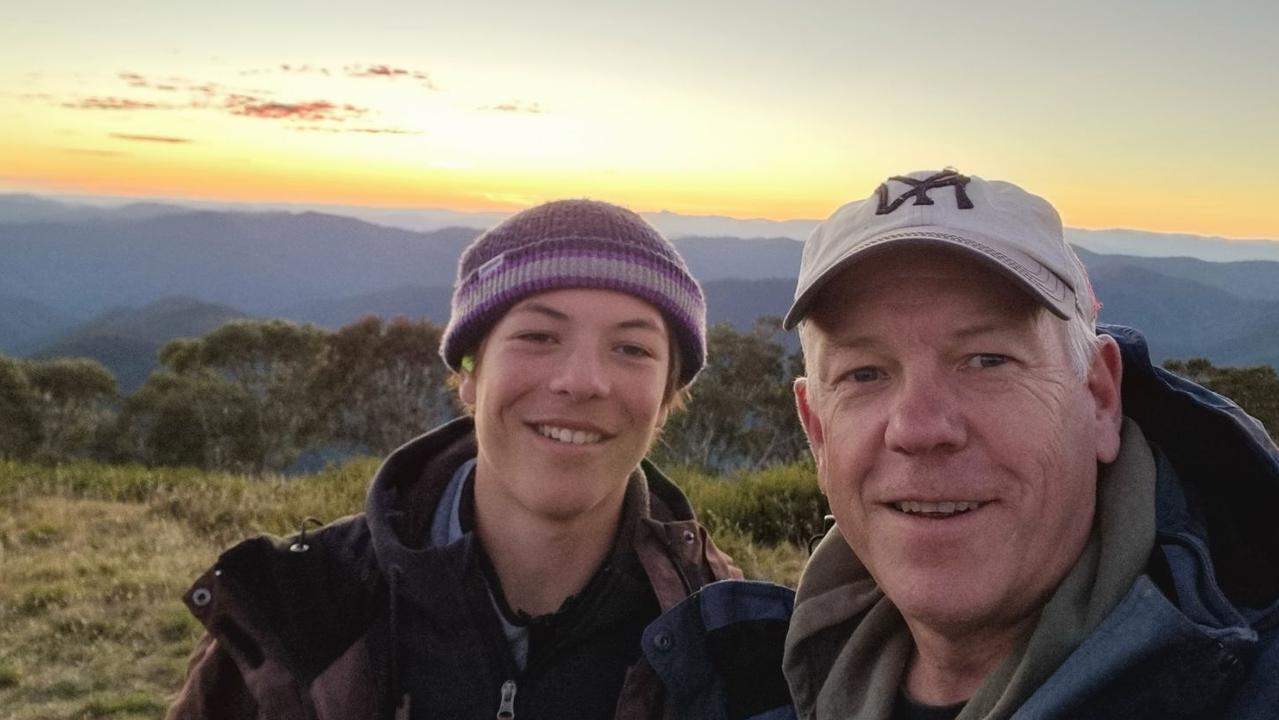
{"points": [[115, 283]]}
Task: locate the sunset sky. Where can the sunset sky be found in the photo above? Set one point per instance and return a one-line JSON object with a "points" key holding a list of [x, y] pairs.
{"points": [[1155, 115]]}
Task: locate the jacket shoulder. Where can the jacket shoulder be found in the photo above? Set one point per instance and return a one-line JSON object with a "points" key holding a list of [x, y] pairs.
{"points": [[719, 652], [302, 599]]}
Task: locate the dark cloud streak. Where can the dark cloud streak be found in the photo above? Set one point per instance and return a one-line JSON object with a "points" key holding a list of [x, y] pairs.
{"points": [[116, 103], [152, 138], [315, 110], [515, 107]]}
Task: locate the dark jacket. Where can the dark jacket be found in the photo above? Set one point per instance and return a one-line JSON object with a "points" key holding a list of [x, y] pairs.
{"points": [[1197, 635], [365, 618]]}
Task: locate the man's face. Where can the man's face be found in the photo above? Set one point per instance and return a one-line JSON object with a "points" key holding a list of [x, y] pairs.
{"points": [[956, 443], [567, 396]]}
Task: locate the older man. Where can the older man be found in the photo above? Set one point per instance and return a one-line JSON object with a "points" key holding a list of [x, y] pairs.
{"points": [[1032, 521]]}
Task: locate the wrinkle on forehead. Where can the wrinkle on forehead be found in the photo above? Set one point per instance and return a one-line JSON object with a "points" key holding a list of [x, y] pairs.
{"points": [[933, 275]]}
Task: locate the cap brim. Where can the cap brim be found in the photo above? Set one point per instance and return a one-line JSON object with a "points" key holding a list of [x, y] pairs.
{"points": [[1045, 286]]}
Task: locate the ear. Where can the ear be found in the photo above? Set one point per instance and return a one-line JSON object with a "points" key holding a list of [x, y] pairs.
{"points": [[1105, 376], [466, 389], [812, 424]]}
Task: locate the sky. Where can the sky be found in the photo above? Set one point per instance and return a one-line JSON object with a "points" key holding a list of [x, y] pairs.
{"points": [[1152, 115]]}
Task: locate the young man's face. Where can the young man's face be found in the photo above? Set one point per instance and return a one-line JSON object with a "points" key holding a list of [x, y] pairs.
{"points": [[567, 396], [955, 441]]}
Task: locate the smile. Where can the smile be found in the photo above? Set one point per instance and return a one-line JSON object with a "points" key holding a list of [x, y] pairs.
{"points": [[572, 437], [945, 508]]}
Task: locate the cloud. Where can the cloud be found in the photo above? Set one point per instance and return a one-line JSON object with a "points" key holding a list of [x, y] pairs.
{"points": [[515, 107], [374, 71], [303, 69], [387, 71], [152, 138], [315, 111], [137, 80], [116, 103]]}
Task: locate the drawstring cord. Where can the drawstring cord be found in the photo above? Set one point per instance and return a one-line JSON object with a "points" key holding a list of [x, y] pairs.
{"points": [[828, 522], [299, 545], [397, 699]]}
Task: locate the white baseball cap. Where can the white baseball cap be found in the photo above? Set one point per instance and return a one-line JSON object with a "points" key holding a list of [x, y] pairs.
{"points": [[1012, 230]]}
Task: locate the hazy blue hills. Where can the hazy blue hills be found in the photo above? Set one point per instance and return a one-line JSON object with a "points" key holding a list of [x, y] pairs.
{"points": [[173, 272], [1248, 279], [414, 301], [259, 262], [24, 321], [126, 340]]}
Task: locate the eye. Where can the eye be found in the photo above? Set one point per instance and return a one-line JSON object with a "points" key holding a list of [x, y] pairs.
{"points": [[865, 374], [634, 350], [985, 360], [536, 337]]}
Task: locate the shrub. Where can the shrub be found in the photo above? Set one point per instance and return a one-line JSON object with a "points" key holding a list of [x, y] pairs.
{"points": [[771, 506]]}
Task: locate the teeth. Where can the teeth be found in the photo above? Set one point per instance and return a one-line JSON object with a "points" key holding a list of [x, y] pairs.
{"points": [[945, 507], [565, 435]]}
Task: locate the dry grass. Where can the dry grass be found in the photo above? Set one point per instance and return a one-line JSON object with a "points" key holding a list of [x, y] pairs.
{"points": [[94, 560], [89, 608]]}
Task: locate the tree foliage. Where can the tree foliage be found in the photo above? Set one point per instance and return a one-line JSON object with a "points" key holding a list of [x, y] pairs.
{"points": [[383, 383], [252, 395], [192, 418], [742, 412], [20, 427], [74, 399], [249, 382]]}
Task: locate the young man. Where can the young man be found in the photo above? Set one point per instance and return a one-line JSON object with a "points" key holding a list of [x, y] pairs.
{"points": [[515, 562]]}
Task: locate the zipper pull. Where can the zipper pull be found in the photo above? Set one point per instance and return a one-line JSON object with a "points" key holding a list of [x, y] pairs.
{"points": [[402, 710], [506, 710]]}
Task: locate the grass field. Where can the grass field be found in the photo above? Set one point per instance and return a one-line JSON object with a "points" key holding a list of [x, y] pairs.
{"points": [[94, 560]]}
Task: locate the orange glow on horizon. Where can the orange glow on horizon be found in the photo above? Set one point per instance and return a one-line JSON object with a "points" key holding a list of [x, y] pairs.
{"points": [[200, 173]]}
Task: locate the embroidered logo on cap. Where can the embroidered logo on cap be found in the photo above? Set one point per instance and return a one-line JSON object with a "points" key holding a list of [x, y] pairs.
{"points": [[919, 190]]}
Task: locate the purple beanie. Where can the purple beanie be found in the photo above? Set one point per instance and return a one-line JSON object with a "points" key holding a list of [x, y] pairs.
{"points": [[573, 244]]}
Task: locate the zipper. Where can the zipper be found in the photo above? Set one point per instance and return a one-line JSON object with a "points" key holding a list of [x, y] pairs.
{"points": [[506, 706]]}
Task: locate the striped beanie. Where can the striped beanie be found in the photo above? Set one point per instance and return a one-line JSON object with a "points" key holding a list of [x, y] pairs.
{"points": [[573, 244]]}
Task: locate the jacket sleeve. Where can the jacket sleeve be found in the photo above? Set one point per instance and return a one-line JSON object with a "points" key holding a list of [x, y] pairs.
{"points": [[214, 689]]}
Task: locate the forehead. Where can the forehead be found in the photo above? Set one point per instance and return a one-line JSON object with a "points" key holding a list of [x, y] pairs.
{"points": [[958, 287], [589, 305]]}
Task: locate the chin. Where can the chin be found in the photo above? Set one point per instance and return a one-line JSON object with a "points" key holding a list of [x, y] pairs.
{"points": [[943, 599]]}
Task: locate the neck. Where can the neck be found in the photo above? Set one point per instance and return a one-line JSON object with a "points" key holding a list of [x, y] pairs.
{"points": [[542, 561], [946, 668]]}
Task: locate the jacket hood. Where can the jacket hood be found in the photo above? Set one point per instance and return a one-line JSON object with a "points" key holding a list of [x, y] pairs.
{"points": [[407, 488], [1228, 472]]}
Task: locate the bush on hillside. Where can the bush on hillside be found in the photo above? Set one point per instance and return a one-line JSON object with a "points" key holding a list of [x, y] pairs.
{"points": [[781, 504]]}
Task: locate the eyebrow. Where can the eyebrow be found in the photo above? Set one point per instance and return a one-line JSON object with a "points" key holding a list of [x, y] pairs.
{"points": [[554, 314], [540, 309], [990, 327]]}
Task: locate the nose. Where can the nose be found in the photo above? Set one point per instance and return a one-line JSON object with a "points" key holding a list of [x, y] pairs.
{"points": [[925, 416], [581, 376]]}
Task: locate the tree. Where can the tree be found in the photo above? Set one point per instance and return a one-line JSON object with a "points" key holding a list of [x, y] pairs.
{"points": [[1255, 389], [742, 412], [192, 418], [256, 373], [382, 384], [73, 398], [20, 429]]}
